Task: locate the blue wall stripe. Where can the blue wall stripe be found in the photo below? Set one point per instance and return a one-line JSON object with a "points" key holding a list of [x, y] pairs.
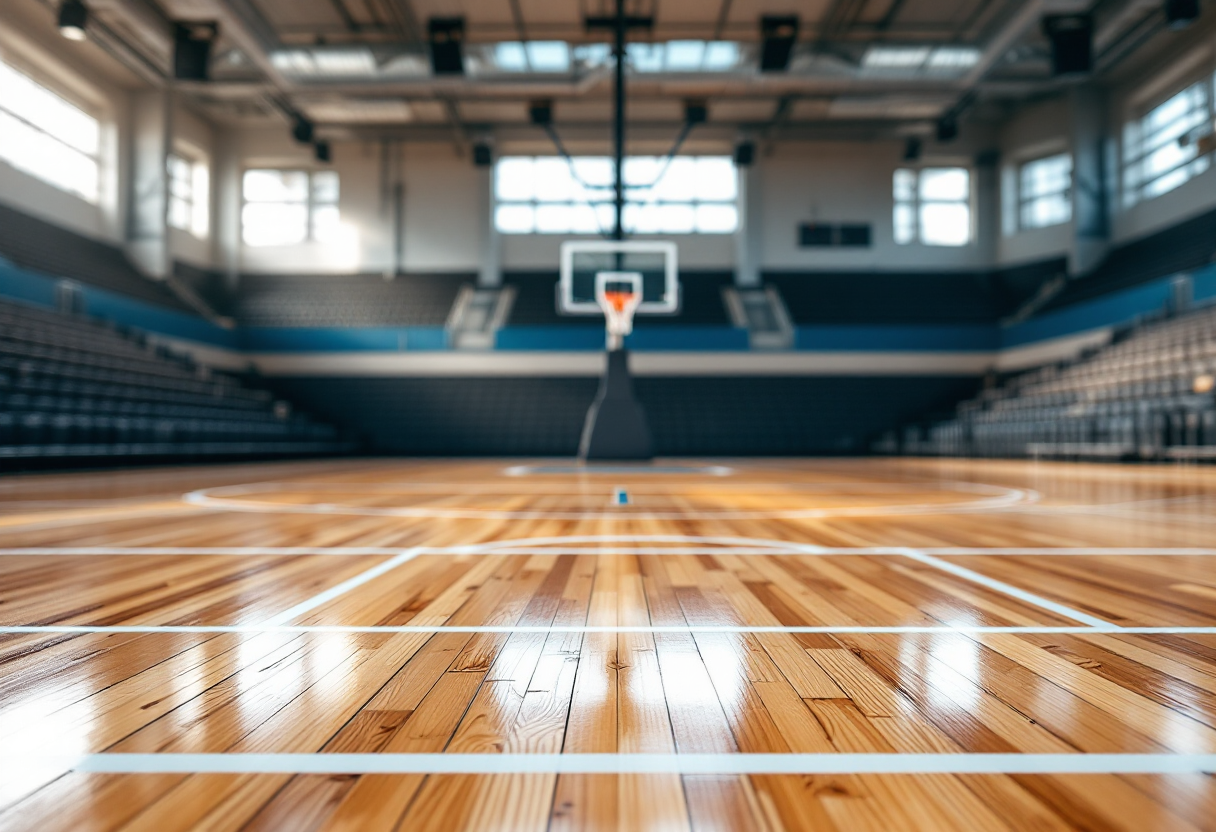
{"points": [[362, 339]]}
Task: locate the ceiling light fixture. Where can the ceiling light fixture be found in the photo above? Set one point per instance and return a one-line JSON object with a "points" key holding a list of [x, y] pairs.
{"points": [[73, 20]]}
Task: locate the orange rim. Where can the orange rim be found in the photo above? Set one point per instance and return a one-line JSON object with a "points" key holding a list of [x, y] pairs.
{"points": [[618, 300]]}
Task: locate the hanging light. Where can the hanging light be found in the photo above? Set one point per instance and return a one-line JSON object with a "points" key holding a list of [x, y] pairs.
{"points": [[73, 18]]}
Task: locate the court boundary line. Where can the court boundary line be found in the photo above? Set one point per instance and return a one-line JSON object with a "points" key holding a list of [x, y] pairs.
{"points": [[1008, 590], [641, 763], [761, 546], [341, 589], [221, 498], [695, 629], [547, 549]]}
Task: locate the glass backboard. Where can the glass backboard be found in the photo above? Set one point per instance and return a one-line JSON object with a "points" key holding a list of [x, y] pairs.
{"points": [[582, 261]]}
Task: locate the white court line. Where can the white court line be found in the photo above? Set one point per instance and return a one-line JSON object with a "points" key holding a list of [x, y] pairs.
{"points": [[554, 546], [561, 545], [455, 763], [342, 588], [861, 629], [1076, 551], [808, 550], [221, 497], [1008, 589], [616, 470], [248, 551]]}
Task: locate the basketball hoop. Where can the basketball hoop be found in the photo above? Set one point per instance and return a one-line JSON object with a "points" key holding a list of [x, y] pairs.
{"points": [[619, 294]]}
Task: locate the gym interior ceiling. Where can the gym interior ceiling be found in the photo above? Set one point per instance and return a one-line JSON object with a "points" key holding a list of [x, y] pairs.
{"points": [[857, 69]]}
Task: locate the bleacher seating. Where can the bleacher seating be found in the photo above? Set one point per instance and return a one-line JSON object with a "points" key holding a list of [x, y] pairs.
{"points": [[1148, 395], [40, 246], [345, 300], [73, 388]]}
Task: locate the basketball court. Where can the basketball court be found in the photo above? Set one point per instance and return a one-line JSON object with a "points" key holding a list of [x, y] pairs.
{"points": [[623, 415], [699, 645]]}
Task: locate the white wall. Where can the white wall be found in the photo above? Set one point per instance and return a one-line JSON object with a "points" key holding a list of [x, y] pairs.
{"points": [[444, 210]]}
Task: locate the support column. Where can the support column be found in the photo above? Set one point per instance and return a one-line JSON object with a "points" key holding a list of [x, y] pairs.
{"points": [[1090, 192], [226, 215], [747, 235], [988, 203], [489, 275], [152, 142]]}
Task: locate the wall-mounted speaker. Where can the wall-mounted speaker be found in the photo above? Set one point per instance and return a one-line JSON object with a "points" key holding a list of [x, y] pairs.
{"points": [[745, 154], [541, 112], [446, 36], [1072, 42], [696, 111], [947, 129], [192, 50], [302, 129], [778, 34]]}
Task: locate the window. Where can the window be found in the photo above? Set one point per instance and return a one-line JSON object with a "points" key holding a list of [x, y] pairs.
{"points": [[550, 195], [933, 206], [285, 207], [1045, 192], [1160, 151], [47, 137], [189, 195]]}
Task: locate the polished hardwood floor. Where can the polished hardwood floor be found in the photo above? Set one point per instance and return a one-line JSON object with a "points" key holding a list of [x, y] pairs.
{"points": [[696, 645]]}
